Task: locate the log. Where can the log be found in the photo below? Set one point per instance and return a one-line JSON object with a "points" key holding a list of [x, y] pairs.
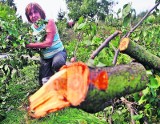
{"points": [[78, 85], [139, 53], [123, 80]]}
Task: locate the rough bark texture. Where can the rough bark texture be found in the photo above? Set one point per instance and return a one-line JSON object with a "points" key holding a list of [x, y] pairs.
{"points": [[123, 80], [142, 55]]}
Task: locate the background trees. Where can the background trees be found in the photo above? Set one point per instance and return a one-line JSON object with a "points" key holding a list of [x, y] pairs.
{"points": [[88, 8]]}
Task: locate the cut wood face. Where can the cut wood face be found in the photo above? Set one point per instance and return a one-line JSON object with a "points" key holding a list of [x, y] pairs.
{"points": [[124, 44], [67, 87], [99, 80]]}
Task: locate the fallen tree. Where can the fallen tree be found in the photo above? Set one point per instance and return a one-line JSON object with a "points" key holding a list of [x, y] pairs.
{"points": [[139, 53], [90, 89]]}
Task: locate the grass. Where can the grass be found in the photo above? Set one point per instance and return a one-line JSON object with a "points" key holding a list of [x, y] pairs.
{"points": [[65, 116]]}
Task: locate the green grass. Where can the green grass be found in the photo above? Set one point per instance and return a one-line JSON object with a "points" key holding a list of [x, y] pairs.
{"points": [[65, 116]]}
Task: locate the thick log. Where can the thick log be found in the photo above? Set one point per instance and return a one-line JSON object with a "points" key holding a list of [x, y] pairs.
{"points": [[87, 88], [123, 80], [139, 53]]}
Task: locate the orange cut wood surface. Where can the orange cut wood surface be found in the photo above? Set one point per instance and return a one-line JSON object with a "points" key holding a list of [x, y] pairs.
{"points": [[124, 44], [77, 82], [67, 87], [101, 80]]}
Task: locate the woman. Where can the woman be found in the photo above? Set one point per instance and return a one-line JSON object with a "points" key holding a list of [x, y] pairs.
{"points": [[53, 53]]}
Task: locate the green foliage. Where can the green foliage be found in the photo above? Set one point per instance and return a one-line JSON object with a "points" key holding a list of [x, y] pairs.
{"points": [[14, 36], [88, 8], [149, 101], [148, 36], [62, 24], [17, 90], [40, 36]]}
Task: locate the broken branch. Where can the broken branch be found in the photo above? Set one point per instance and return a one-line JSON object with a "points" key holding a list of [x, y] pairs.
{"points": [[128, 34], [104, 44]]}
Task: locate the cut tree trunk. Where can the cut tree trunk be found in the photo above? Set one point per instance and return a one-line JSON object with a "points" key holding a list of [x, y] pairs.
{"points": [[123, 80], [139, 53], [87, 88]]}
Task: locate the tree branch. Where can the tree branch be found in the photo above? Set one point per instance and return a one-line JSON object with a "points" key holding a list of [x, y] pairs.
{"points": [[129, 106], [104, 44], [147, 14], [129, 33]]}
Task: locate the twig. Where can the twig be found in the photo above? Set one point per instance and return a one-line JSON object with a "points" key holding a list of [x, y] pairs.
{"points": [[129, 33], [129, 106], [104, 44], [110, 118], [113, 47]]}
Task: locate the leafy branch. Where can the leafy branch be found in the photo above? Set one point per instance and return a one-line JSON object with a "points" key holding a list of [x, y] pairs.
{"points": [[129, 33], [106, 42]]}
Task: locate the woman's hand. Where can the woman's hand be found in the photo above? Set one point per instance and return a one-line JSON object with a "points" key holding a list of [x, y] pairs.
{"points": [[29, 45]]}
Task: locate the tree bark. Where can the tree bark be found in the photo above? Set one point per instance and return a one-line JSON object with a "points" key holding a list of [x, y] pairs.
{"points": [[140, 54], [123, 80]]}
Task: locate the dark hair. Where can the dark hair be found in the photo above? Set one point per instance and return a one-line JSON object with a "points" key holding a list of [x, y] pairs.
{"points": [[36, 7]]}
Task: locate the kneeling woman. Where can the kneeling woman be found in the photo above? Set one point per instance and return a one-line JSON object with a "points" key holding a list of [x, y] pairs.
{"points": [[53, 54]]}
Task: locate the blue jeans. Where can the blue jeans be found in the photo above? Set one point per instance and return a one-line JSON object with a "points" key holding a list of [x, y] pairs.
{"points": [[49, 66]]}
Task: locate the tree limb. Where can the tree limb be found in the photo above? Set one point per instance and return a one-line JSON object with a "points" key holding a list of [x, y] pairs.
{"points": [[104, 44], [130, 108], [147, 14], [129, 33]]}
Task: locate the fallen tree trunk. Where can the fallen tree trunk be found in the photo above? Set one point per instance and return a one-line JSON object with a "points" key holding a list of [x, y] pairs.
{"points": [[123, 80], [139, 53], [87, 88]]}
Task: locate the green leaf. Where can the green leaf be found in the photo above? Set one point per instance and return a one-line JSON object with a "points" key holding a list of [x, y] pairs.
{"points": [[6, 67], [127, 20], [146, 91], [137, 117], [81, 26], [136, 96], [144, 34], [147, 106], [87, 42], [137, 38], [158, 79], [126, 10], [142, 100], [3, 46], [81, 19], [15, 44], [158, 111], [90, 63], [149, 72], [13, 73], [153, 83], [100, 64]]}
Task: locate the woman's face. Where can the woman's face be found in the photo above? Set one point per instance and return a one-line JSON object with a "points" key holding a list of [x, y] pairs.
{"points": [[34, 15]]}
